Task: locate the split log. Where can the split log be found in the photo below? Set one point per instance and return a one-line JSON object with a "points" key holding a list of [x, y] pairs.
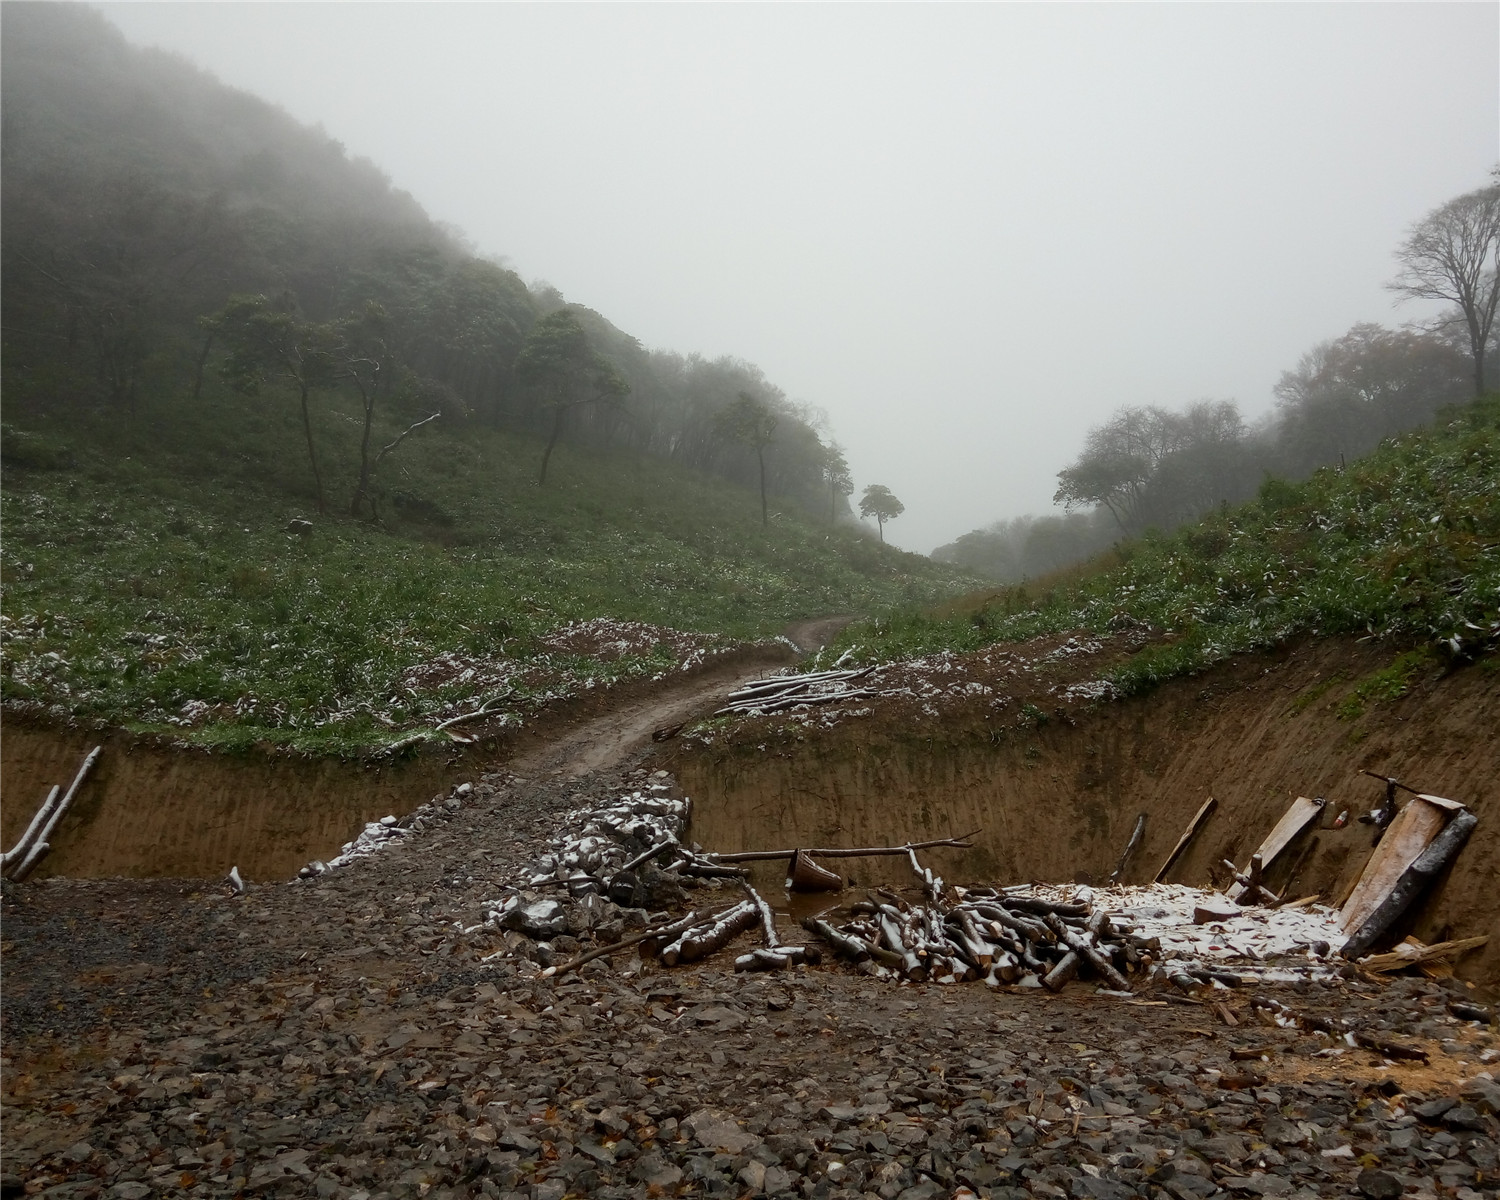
{"points": [[702, 940], [1415, 956], [40, 846], [1187, 836], [1413, 881], [1135, 840], [961, 843]]}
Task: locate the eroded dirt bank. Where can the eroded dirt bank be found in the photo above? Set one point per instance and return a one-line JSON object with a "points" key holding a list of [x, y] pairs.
{"points": [[1056, 789], [155, 811]]}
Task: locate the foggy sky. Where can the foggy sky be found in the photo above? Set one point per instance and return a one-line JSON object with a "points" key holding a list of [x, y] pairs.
{"points": [[966, 233]]}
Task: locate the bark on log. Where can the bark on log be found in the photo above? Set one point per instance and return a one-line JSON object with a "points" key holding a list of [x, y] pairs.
{"points": [[1066, 969], [703, 940], [40, 846], [854, 948], [911, 965], [1251, 889], [1035, 904], [767, 917], [1135, 840], [681, 925], [17, 852], [662, 848], [1414, 880]]}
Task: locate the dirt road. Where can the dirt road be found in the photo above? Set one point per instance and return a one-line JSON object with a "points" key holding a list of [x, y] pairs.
{"points": [[363, 1036]]}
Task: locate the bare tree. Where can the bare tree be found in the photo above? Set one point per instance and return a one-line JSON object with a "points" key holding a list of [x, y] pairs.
{"points": [[1453, 254]]}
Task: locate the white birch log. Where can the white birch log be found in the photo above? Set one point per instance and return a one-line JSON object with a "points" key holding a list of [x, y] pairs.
{"points": [[40, 846]]}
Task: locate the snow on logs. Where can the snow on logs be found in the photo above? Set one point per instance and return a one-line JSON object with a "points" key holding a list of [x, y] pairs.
{"points": [[788, 691]]}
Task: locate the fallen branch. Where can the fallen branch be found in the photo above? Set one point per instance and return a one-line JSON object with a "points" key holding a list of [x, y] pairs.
{"points": [[18, 851], [960, 843], [40, 846], [401, 437], [484, 710]]}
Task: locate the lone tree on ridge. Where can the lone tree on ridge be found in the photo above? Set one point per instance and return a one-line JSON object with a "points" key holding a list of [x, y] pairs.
{"points": [[878, 502]]}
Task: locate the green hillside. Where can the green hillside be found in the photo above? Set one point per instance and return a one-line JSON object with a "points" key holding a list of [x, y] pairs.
{"points": [[272, 440], [1403, 545], [149, 578]]}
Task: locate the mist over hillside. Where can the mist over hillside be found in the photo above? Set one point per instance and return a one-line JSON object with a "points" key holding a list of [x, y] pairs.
{"points": [[142, 195]]}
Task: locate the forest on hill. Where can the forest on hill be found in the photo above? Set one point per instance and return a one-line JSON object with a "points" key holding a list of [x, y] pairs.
{"points": [[1151, 467], [1400, 546], [143, 197], [286, 464]]}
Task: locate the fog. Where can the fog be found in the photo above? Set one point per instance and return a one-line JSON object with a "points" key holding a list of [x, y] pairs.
{"points": [[965, 233]]}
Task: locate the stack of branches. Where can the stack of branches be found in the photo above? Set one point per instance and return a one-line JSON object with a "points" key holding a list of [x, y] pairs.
{"points": [[999, 935], [788, 691]]}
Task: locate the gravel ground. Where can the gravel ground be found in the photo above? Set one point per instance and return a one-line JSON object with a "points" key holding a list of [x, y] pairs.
{"points": [[345, 1037]]}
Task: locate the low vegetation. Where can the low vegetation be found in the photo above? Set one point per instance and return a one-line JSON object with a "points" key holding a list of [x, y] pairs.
{"points": [[1402, 545], [156, 574]]}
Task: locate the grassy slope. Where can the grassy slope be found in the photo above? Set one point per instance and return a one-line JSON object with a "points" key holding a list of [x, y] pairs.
{"points": [[1404, 544], [149, 578]]}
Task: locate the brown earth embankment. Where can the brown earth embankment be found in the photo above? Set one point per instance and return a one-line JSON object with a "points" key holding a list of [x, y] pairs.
{"points": [[1057, 801], [155, 810]]}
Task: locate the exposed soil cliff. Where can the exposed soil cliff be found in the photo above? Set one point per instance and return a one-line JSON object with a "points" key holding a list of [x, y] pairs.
{"points": [[1057, 791]]}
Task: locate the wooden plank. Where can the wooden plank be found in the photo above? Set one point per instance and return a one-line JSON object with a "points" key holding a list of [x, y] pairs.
{"points": [[1187, 835], [1413, 953], [1409, 834], [1297, 818]]}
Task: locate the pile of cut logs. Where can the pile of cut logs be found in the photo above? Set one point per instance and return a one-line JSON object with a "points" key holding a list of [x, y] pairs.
{"points": [[999, 935], [788, 691]]}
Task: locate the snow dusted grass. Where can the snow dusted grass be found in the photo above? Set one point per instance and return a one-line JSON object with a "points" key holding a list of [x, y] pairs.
{"points": [[135, 593], [1403, 545]]}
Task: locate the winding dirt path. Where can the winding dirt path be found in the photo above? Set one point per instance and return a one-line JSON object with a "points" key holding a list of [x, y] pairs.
{"points": [[626, 728]]}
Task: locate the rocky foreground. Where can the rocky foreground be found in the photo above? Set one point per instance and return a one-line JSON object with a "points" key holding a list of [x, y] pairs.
{"points": [[363, 1035]]}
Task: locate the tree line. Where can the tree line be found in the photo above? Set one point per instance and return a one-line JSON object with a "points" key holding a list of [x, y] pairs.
{"points": [[161, 230], [1150, 467]]}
